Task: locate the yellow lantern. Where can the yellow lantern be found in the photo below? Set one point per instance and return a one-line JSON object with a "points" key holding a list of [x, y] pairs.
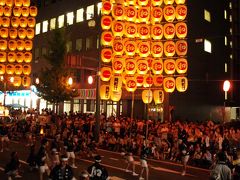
{"points": [[15, 22], [5, 21], [3, 44], [169, 84], [157, 80], [106, 38], [26, 3], [158, 96], [20, 45], [33, 11], [4, 32], [1, 10], [9, 3], [169, 48], [7, 11], [118, 28], [13, 33], [106, 7], [131, 2], [26, 69], [168, 2], [118, 47], [130, 66], [28, 45], [181, 66], [116, 83], [142, 2], [2, 2], [144, 14], [26, 81], [106, 55], [27, 57], [147, 96], [2, 69], [169, 30], [181, 12], [142, 66], [126, 76], [148, 80], [130, 13], [157, 31], [11, 57], [17, 11], [181, 30], [169, 66], [106, 22], [130, 48], [131, 84], [19, 57], [105, 92], [157, 2], [31, 22], [181, 47], [106, 73], [9, 68], [18, 3], [25, 11], [23, 22], [118, 12], [169, 13], [156, 15], [130, 30], [118, 65], [157, 49], [17, 81], [22, 33], [18, 69], [30, 33], [180, 1], [3, 56], [116, 95], [157, 66], [144, 49], [139, 79], [144, 31], [181, 84]]}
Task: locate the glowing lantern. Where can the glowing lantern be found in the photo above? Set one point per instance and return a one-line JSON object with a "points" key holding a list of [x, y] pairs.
{"points": [[3, 44], [131, 84], [106, 55], [130, 66], [157, 2], [18, 3], [17, 11], [143, 31], [19, 57], [30, 33], [23, 22], [157, 49], [130, 48], [180, 1], [17, 81], [15, 22], [148, 80], [147, 96], [7, 11], [168, 2], [157, 31], [20, 45], [142, 66], [118, 65], [26, 3], [28, 45], [142, 2], [18, 69], [181, 30], [11, 57], [156, 15], [169, 13], [130, 13], [9, 3], [1, 10], [169, 66], [181, 84], [181, 47], [9, 69], [106, 22], [116, 95], [4, 32], [22, 33], [118, 47], [106, 73], [2, 69], [169, 48], [106, 7], [105, 92], [139, 79], [118, 28], [181, 12], [27, 57], [2, 2], [181, 65], [33, 11], [25, 11], [27, 69], [126, 76], [5, 21], [13, 33], [144, 49], [169, 84], [143, 14], [106, 38], [131, 2], [118, 12], [169, 30], [31, 22], [26, 81], [157, 66], [3, 57], [157, 80], [158, 96], [130, 30], [116, 83]]}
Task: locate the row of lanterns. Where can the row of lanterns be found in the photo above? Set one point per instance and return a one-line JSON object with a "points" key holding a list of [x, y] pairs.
{"points": [[13, 45], [15, 69], [18, 11], [16, 22], [17, 81], [17, 3], [12, 57], [14, 33]]}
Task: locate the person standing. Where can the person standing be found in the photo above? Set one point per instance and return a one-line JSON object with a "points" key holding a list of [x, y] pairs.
{"points": [[70, 151], [143, 160], [183, 148], [12, 168], [4, 137]]}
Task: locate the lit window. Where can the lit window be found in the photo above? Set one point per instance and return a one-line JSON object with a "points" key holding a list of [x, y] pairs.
{"points": [[53, 23], [80, 15], [225, 14], [99, 7], [79, 44], [38, 28], [207, 15], [89, 43], [60, 21], [230, 18], [231, 56], [226, 40], [45, 26], [69, 46], [70, 18], [230, 5], [207, 46], [230, 30], [226, 67], [231, 44], [90, 12]]}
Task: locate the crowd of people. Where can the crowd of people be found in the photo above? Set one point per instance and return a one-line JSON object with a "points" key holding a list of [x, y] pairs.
{"points": [[197, 144]]}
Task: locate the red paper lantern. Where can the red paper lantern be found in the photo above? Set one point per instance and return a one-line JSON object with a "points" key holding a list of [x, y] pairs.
{"points": [[2, 69], [181, 30], [17, 11], [157, 49], [131, 84], [144, 31], [3, 56], [181, 12], [181, 65], [7, 11], [106, 7], [169, 66], [169, 13], [31, 22], [157, 66], [19, 57], [130, 48], [106, 22], [13, 33], [143, 14], [169, 48], [157, 31], [106, 38], [106, 73], [181, 47], [11, 57], [148, 80], [156, 15], [33, 11], [144, 49], [118, 12], [169, 84], [139, 79], [27, 57], [169, 30], [118, 47], [142, 66], [130, 13], [157, 80], [118, 65], [118, 28], [106, 55], [131, 30], [130, 66]]}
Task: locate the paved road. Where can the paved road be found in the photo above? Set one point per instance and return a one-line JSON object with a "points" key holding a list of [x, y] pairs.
{"points": [[114, 163]]}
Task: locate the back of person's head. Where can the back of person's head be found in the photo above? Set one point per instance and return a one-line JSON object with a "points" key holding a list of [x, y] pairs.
{"points": [[222, 156], [98, 158]]}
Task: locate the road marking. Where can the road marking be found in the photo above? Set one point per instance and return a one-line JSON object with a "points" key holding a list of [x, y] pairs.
{"points": [[115, 159], [116, 178]]}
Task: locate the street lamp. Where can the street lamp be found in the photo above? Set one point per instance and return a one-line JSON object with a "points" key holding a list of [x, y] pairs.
{"points": [[70, 81], [90, 79], [226, 87]]}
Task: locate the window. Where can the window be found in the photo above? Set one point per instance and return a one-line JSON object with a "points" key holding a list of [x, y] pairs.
{"points": [[231, 44], [90, 12], [225, 14], [230, 5], [36, 53], [207, 15], [38, 28], [80, 15], [99, 7], [231, 56], [89, 43], [44, 51], [225, 40], [44, 26], [230, 18], [53, 23], [69, 46], [230, 30], [70, 17], [79, 44], [207, 46], [60, 21], [226, 67]]}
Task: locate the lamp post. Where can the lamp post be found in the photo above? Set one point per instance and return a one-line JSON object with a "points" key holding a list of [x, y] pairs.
{"points": [[226, 87]]}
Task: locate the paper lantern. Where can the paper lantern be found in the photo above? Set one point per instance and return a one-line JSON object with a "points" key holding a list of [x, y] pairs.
{"points": [[148, 80], [157, 80], [168, 2], [150, 61], [157, 2], [17, 81], [126, 76], [10, 69], [19, 57], [156, 15], [106, 38], [169, 84], [169, 48], [3, 44], [130, 13], [144, 48], [130, 48], [169, 66], [3, 57], [169, 30], [20, 45], [2, 2], [130, 66], [4, 32], [116, 95], [139, 79], [118, 65], [157, 31], [105, 92], [169, 13], [142, 66], [26, 69], [7, 11], [147, 96], [144, 31], [106, 55], [9, 3], [1, 10], [26, 3], [142, 2], [106, 22], [17, 11], [28, 45], [11, 56], [131, 84], [23, 22], [18, 69], [5, 21], [106, 8], [157, 49], [157, 66], [158, 96], [144, 14], [27, 57], [31, 22], [180, 1], [15, 22], [26, 81], [181, 12], [181, 30], [25, 11], [118, 47], [106, 73], [13, 33], [18, 3], [116, 83], [118, 28], [181, 84], [181, 47], [30, 33], [2, 69], [130, 30], [130, 2], [181, 65], [22, 33], [33, 11], [118, 12]]}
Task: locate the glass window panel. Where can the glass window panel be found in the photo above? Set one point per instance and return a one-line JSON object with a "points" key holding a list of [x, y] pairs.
{"points": [[99, 7], [207, 15], [38, 28], [60, 21], [90, 12], [89, 43], [69, 46], [225, 14], [79, 44], [80, 15], [70, 17], [207, 46], [45, 26], [67, 106], [53, 23]]}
